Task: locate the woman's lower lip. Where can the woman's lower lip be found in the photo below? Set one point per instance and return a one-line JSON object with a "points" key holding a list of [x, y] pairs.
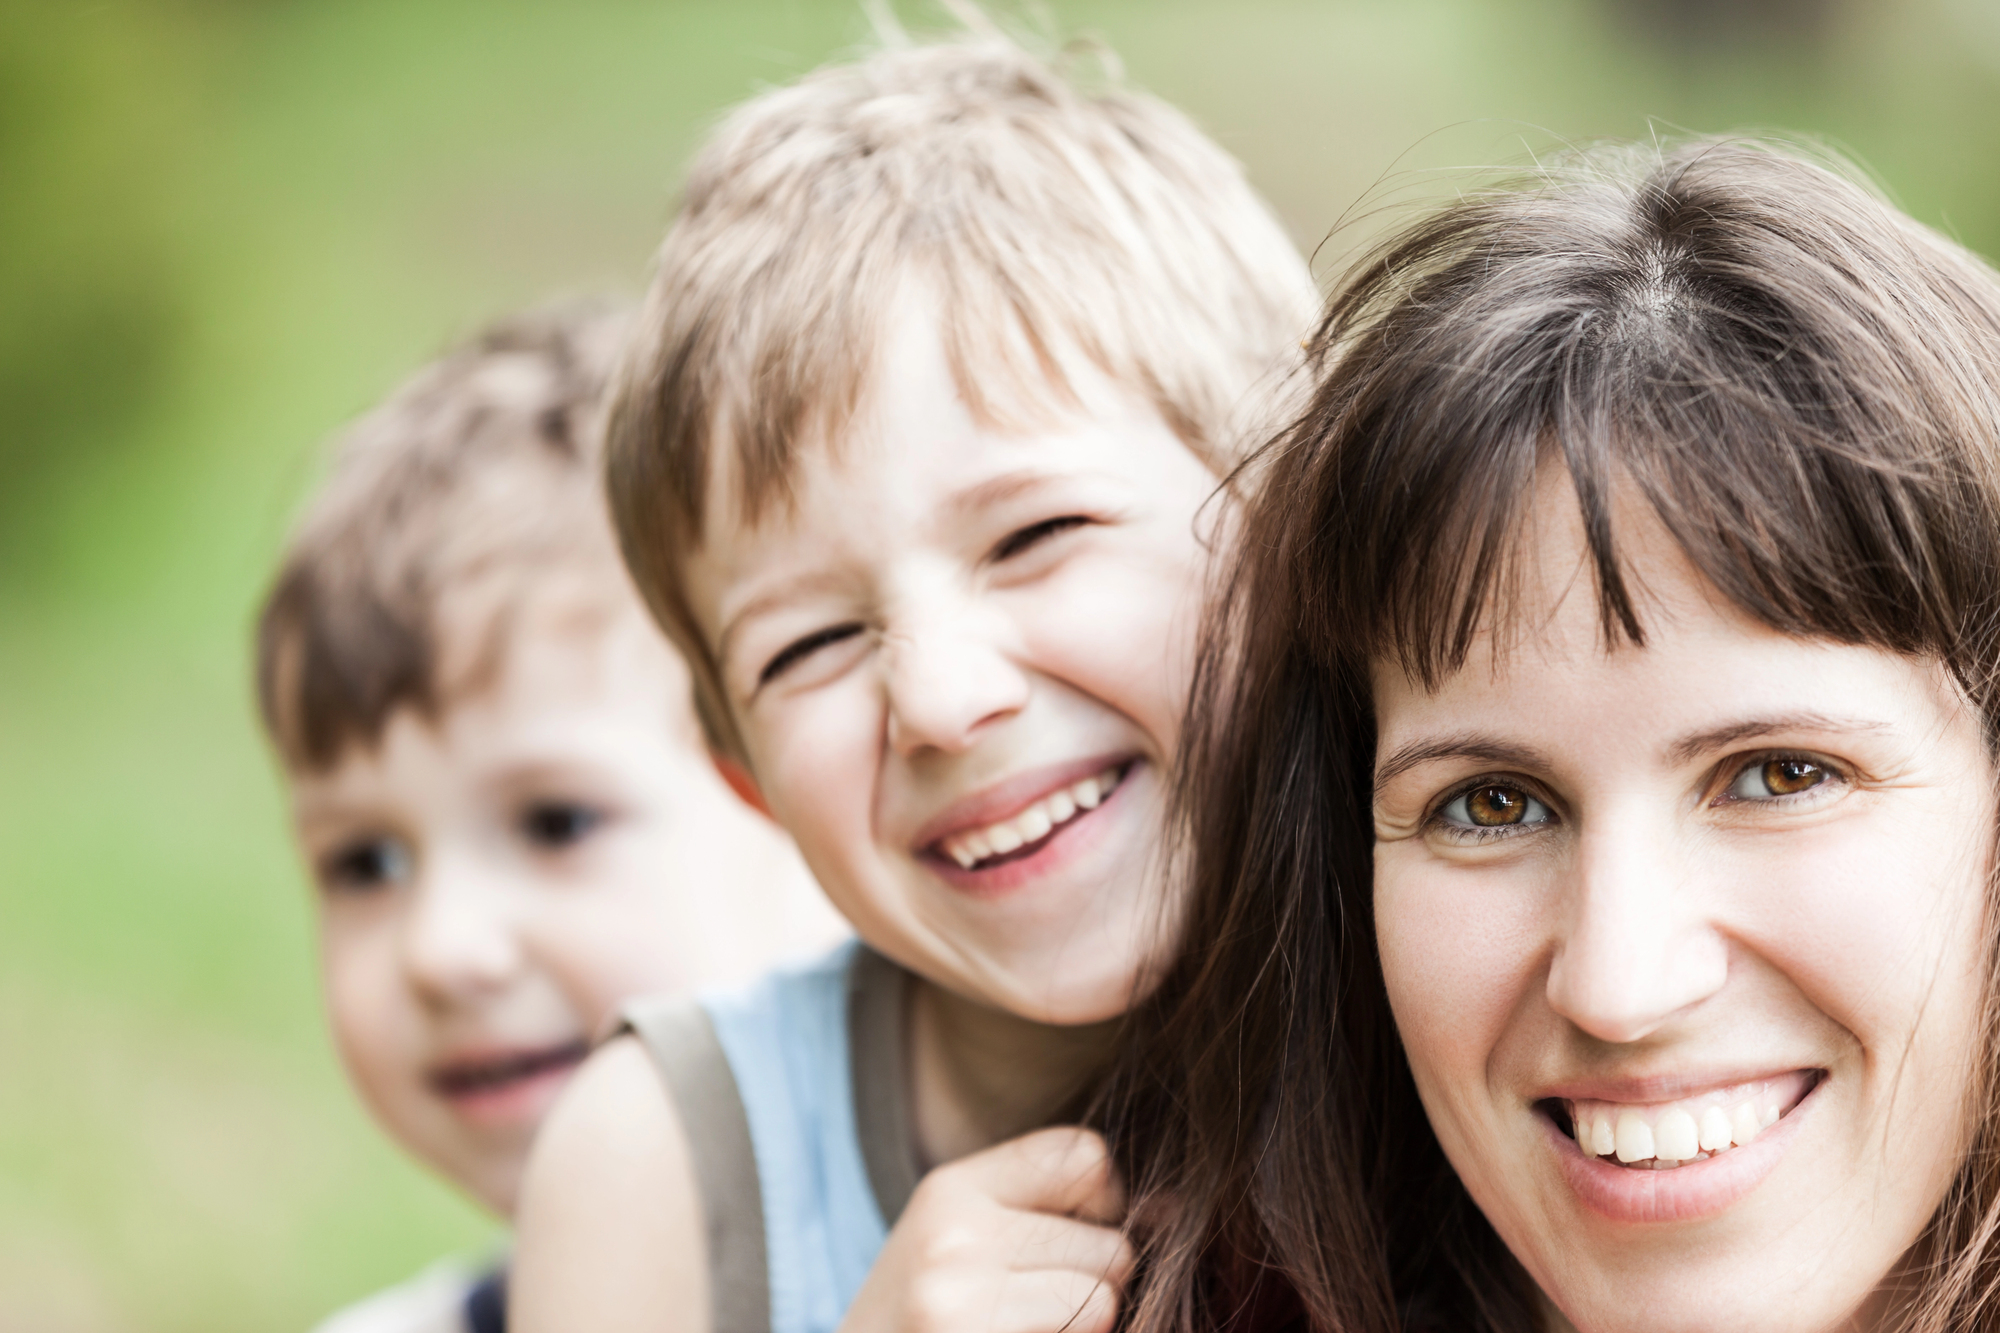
{"points": [[1064, 846], [1683, 1193]]}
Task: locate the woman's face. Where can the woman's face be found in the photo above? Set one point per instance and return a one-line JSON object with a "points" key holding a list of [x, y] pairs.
{"points": [[1683, 941]]}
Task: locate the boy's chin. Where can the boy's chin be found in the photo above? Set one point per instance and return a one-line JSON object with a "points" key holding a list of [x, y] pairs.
{"points": [[1070, 989]]}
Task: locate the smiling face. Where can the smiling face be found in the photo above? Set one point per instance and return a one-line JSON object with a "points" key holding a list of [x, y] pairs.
{"points": [[957, 664], [491, 888], [1684, 944]]}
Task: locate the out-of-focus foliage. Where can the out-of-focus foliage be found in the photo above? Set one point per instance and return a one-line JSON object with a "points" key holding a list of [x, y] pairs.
{"points": [[227, 225]]}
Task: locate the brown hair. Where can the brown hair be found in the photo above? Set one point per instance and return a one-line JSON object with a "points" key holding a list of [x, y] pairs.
{"points": [[1054, 225], [476, 479], [1803, 385]]}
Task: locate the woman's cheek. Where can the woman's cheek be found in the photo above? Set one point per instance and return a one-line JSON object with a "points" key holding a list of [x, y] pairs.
{"points": [[1456, 953]]}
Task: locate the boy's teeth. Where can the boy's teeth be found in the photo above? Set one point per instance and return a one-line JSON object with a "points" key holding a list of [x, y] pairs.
{"points": [[1670, 1134], [1032, 824]]}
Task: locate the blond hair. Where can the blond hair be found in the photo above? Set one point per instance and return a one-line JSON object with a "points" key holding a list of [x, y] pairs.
{"points": [[1054, 226], [476, 483]]}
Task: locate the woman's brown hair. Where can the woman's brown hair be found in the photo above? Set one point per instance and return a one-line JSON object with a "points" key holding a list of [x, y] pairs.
{"points": [[1804, 385]]}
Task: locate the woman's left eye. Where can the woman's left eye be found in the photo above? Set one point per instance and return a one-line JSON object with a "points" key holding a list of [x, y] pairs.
{"points": [[558, 824], [1491, 807], [1779, 775]]}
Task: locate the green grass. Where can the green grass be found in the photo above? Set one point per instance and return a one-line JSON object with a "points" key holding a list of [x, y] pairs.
{"points": [[227, 225]]}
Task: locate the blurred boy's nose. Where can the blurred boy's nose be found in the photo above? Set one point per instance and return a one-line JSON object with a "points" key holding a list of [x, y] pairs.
{"points": [[458, 939]]}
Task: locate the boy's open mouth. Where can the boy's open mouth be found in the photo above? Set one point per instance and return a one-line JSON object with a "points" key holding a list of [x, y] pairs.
{"points": [[1661, 1136], [470, 1078], [1028, 830]]}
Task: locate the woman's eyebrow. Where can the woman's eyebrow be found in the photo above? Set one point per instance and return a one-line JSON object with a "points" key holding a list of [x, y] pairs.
{"points": [[1480, 748], [1697, 744]]}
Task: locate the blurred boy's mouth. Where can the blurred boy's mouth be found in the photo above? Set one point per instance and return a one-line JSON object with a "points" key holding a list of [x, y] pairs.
{"points": [[1016, 821], [502, 1084]]}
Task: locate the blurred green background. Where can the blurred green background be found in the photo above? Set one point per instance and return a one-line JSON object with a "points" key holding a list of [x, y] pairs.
{"points": [[228, 225]]}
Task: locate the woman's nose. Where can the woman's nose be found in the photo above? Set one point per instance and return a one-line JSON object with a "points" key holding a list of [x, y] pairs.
{"points": [[458, 938], [947, 682], [1635, 946]]}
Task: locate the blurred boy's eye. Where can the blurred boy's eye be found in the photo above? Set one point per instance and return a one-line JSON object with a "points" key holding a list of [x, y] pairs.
{"points": [[556, 824], [366, 864], [799, 650], [1034, 534]]}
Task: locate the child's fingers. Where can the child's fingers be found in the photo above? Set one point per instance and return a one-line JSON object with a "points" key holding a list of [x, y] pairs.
{"points": [[1065, 1170], [1045, 1243], [1057, 1301]]}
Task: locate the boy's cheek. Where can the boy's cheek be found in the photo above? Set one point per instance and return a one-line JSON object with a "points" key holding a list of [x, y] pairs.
{"points": [[1087, 640], [816, 762], [375, 1019]]}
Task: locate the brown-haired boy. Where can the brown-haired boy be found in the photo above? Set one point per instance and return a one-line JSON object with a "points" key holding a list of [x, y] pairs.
{"points": [[497, 779], [941, 362]]}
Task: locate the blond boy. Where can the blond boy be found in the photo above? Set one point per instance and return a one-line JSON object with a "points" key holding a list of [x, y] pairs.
{"points": [[942, 360], [497, 779]]}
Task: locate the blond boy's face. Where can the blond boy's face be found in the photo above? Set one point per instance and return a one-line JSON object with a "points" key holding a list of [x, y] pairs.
{"points": [[957, 664], [491, 888]]}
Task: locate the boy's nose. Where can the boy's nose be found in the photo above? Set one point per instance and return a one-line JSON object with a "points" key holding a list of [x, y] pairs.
{"points": [[945, 685], [1635, 946], [457, 939]]}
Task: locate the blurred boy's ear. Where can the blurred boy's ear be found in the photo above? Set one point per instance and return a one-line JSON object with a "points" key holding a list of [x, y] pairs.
{"points": [[740, 782]]}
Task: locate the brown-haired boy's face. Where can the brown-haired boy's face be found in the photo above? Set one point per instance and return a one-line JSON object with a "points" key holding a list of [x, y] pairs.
{"points": [[492, 887], [958, 663]]}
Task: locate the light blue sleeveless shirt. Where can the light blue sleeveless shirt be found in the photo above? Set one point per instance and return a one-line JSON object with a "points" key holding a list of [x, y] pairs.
{"points": [[794, 1100], [787, 1039]]}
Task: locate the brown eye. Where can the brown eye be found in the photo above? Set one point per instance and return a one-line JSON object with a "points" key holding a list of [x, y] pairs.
{"points": [[1491, 806], [1785, 776], [1494, 805]]}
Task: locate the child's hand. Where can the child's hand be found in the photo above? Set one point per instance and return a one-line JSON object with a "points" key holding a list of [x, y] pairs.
{"points": [[1020, 1238]]}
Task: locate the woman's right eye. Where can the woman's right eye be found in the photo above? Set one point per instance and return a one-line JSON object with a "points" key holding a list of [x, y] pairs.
{"points": [[366, 864], [1489, 808], [800, 649]]}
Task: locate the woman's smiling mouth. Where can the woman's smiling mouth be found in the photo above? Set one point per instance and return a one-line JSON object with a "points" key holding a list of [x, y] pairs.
{"points": [[1679, 1160], [1664, 1135]]}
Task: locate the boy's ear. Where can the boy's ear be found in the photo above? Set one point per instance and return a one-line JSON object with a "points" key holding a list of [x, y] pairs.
{"points": [[740, 781]]}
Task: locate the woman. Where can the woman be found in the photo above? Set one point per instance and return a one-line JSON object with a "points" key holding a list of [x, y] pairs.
{"points": [[1593, 811]]}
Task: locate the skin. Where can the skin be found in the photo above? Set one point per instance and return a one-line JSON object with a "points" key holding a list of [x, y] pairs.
{"points": [[493, 886], [978, 610], [1662, 921]]}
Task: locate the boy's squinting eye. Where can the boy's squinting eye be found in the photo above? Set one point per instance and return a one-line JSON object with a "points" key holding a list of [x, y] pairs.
{"points": [[1034, 534], [1778, 775], [797, 651], [1492, 807], [558, 824], [366, 864]]}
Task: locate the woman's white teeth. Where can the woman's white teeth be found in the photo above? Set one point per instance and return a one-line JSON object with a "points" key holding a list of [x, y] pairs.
{"points": [[1634, 1139], [1675, 1137], [1716, 1133], [1666, 1136], [1746, 1124], [1032, 824]]}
